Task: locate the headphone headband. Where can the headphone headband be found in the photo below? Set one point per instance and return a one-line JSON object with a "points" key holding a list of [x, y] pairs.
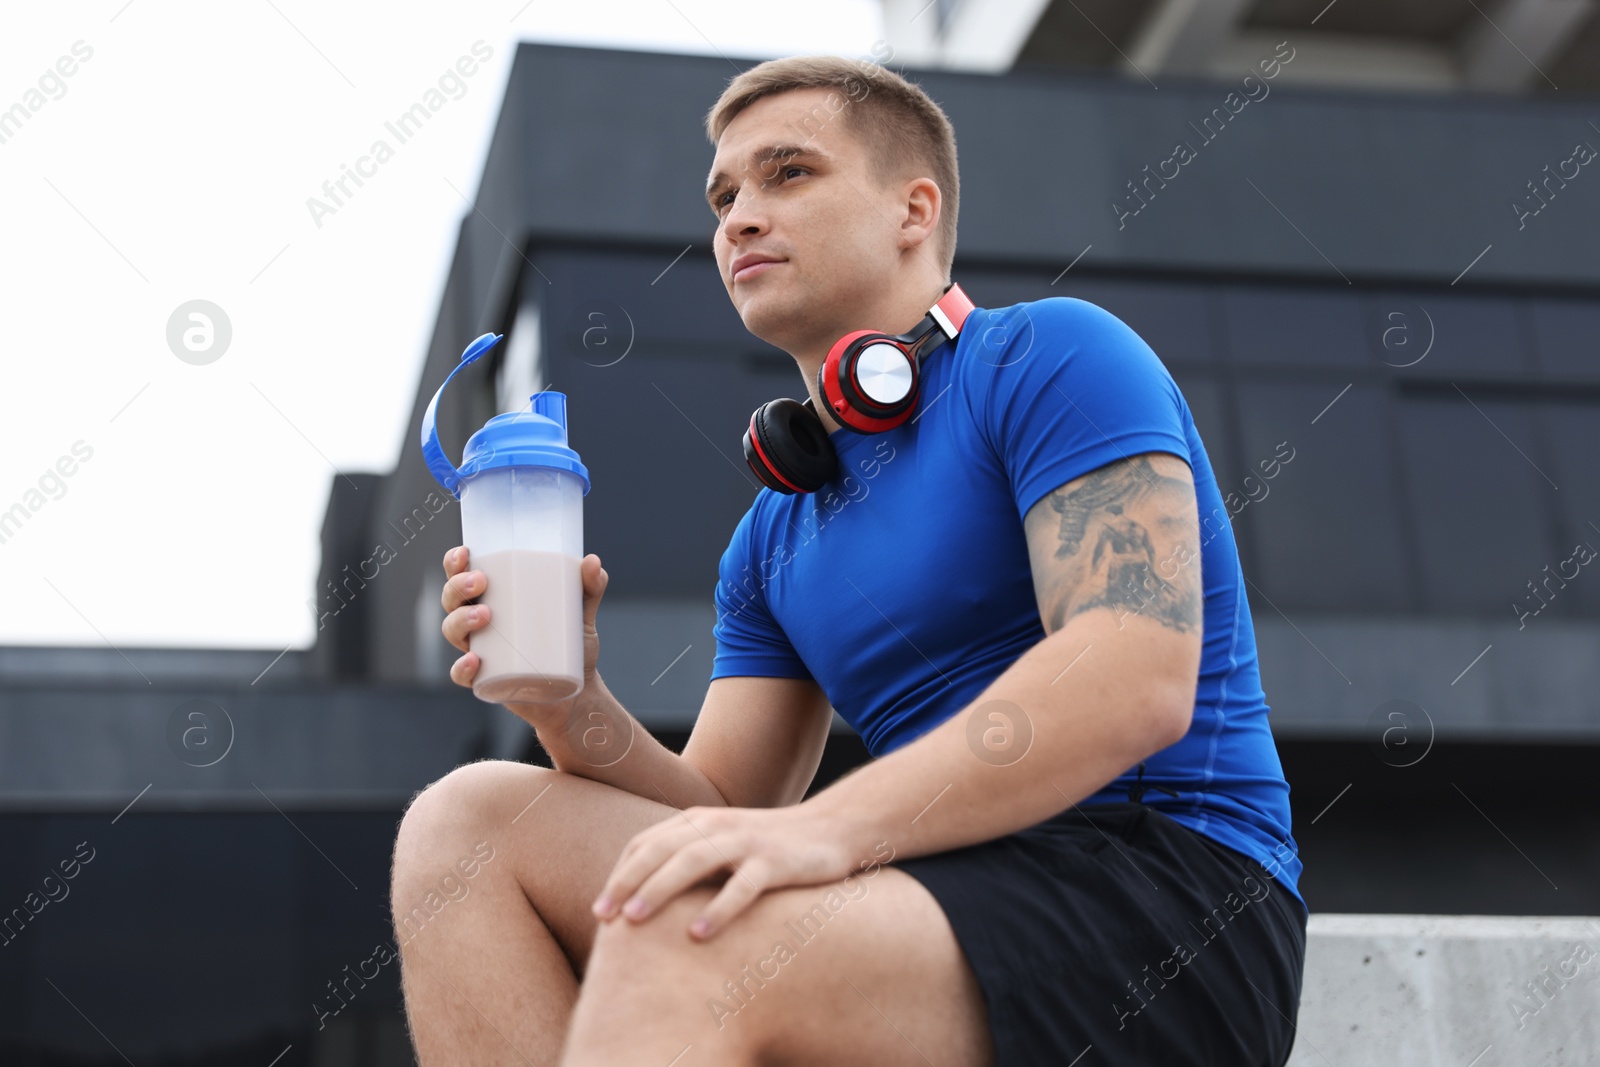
{"points": [[952, 310], [942, 323]]}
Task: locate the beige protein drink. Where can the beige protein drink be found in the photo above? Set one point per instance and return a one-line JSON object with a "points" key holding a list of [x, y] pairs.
{"points": [[530, 652]]}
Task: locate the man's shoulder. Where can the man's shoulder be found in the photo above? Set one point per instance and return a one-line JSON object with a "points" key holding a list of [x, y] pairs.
{"points": [[768, 512], [1042, 336], [1049, 312], [739, 537]]}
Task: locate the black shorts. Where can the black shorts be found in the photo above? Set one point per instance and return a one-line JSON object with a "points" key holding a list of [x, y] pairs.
{"points": [[1116, 934]]}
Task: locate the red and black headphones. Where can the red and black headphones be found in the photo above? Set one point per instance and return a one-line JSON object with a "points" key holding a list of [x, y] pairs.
{"points": [[870, 381]]}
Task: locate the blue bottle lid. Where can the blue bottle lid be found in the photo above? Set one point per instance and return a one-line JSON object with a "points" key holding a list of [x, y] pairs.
{"points": [[536, 438]]}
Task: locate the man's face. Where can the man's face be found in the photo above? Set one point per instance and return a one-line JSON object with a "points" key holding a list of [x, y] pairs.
{"points": [[834, 231]]}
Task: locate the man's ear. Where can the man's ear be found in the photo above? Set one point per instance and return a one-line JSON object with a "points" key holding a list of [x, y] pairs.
{"points": [[922, 202]]}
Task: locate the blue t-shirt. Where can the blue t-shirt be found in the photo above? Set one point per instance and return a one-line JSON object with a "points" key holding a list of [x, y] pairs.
{"points": [[904, 587]]}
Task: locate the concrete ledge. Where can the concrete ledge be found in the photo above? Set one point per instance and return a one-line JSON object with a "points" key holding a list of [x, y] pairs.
{"points": [[1450, 991]]}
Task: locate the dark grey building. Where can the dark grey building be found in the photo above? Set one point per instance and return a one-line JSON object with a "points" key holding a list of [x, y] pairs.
{"points": [[1363, 275]]}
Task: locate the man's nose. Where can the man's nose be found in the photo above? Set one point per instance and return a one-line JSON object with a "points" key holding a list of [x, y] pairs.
{"points": [[745, 217]]}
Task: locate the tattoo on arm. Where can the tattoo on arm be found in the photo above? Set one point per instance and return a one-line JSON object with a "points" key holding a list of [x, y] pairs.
{"points": [[1112, 531]]}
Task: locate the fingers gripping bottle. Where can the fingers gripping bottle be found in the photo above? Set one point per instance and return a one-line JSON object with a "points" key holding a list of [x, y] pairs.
{"points": [[521, 491]]}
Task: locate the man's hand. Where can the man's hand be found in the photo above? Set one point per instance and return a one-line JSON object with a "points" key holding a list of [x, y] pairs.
{"points": [[464, 616], [763, 848]]}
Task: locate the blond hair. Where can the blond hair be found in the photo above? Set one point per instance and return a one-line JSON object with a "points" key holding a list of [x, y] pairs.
{"points": [[901, 126]]}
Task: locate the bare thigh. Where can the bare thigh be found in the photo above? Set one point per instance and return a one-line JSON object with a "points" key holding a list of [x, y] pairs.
{"points": [[560, 835]]}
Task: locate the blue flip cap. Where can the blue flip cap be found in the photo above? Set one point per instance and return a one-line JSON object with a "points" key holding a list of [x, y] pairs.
{"points": [[536, 438]]}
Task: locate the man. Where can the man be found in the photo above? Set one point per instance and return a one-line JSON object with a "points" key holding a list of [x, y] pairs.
{"points": [[1015, 600]]}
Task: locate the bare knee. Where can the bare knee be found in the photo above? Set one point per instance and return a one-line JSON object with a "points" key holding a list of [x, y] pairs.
{"points": [[653, 977], [452, 817], [656, 964], [560, 834], [640, 944]]}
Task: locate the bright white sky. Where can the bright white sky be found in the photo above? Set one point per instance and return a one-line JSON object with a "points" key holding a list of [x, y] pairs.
{"points": [[174, 164]]}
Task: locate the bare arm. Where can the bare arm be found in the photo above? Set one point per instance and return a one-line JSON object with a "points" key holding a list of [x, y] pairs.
{"points": [[1116, 569], [756, 743]]}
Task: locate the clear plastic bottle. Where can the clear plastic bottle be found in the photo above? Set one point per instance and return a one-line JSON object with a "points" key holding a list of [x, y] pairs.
{"points": [[521, 490]]}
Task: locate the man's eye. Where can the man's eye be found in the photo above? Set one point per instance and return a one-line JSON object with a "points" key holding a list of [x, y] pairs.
{"points": [[724, 199]]}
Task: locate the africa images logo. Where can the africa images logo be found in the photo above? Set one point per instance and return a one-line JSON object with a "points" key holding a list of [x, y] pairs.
{"points": [[1211, 927], [403, 128]]}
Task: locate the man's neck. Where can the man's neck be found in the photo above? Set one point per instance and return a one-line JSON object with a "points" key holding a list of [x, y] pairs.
{"points": [[820, 404]]}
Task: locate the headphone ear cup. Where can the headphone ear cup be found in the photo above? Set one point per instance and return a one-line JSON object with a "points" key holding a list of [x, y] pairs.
{"points": [[838, 385], [787, 447]]}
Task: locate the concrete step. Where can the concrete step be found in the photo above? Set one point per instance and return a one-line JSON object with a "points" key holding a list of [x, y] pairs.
{"points": [[1449, 991]]}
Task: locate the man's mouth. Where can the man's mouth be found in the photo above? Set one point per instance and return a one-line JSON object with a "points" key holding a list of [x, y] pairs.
{"points": [[755, 269]]}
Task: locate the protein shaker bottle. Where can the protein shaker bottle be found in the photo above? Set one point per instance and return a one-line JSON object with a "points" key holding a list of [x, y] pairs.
{"points": [[521, 491]]}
